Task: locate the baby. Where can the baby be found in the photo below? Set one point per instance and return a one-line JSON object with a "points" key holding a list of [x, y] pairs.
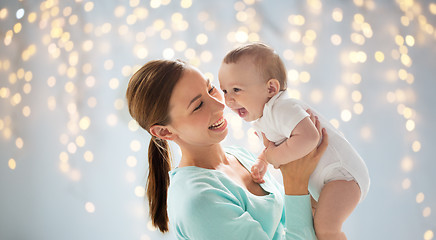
{"points": [[253, 79]]}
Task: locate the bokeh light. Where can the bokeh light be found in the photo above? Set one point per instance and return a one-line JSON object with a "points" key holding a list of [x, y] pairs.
{"points": [[66, 133]]}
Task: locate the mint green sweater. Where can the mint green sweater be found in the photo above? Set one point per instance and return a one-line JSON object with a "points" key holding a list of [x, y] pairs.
{"points": [[205, 204]]}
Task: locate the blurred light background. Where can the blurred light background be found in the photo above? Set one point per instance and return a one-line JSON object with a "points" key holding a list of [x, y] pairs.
{"points": [[73, 163]]}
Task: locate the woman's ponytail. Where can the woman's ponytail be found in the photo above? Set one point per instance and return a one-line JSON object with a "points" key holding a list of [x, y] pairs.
{"points": [[148, 97], [159, 161]]}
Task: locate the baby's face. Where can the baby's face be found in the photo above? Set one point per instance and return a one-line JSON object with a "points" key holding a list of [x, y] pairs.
{"points": [[245, 92]]}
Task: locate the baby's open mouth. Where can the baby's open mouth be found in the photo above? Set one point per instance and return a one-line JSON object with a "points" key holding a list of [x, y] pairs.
{"points": [[242, 112], [218, 123]]}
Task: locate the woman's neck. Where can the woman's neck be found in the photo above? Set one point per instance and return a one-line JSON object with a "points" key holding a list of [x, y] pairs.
{"points": [[210, 157]]}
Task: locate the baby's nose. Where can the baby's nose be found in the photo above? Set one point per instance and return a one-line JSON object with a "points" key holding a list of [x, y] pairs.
{"points": [[228, 99]]}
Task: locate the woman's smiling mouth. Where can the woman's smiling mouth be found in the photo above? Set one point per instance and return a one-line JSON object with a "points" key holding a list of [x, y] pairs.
{"points": [[219, 124]]}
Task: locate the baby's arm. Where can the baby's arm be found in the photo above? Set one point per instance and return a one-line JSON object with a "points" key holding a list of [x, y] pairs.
{"points": [[258, 170], [303, 139]]}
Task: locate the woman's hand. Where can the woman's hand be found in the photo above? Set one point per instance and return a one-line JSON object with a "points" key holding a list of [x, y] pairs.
{"points": [[296, 174]]}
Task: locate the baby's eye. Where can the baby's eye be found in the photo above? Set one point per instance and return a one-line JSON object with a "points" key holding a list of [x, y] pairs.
{"points": [[225, 91]]}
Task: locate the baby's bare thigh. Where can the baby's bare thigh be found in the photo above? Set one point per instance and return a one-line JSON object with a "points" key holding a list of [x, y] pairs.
{"points": [[337, 201]]}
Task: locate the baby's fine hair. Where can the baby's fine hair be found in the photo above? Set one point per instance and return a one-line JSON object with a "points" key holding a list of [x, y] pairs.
{"points": [[266, 60]]}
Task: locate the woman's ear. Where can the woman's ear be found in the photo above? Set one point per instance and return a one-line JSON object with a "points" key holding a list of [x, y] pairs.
{"points": [[162, 132], [273, 86]]}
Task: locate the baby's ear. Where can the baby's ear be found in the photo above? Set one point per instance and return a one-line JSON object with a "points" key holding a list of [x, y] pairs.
{"points": [[273, 86]]}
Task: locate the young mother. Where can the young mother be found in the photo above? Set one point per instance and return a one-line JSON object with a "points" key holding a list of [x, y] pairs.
{"points": [[212, 194]]}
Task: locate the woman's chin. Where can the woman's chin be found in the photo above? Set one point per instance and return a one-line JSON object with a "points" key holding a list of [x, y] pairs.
{"points": [[222, 135]]}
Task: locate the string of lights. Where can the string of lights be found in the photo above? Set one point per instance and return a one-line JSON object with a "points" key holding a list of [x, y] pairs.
{"points": [[65, 130]]}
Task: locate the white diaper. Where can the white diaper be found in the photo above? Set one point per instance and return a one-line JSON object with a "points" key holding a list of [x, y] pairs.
{"points": [[337, 172]]}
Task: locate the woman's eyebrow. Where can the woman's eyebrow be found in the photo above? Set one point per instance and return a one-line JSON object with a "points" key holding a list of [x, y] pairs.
{"points": [[193, 100], [198, 96]]}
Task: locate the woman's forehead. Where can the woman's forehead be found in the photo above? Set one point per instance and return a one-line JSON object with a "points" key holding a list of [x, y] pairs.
{"points": [[191, 78], [190, 85]]}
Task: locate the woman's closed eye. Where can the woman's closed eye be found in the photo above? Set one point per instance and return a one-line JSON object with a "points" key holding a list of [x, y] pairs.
{"points": [[212, 90], [199, 106]]}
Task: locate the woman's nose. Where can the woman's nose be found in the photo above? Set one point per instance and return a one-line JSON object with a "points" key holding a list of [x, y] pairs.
{"points": [[218, 102]]}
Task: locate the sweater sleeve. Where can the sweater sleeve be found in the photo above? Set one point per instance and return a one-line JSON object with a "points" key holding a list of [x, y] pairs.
{"points": [[214, 214], [217, 219], [298, 218]]}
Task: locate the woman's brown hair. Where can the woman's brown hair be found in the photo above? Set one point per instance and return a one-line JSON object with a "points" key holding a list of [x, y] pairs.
{"points": [[148, 95]]}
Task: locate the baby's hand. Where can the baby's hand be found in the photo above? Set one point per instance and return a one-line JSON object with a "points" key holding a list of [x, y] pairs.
{"points": [[258, 170]]}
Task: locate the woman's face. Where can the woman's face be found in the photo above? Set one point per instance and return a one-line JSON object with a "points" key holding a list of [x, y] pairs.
{"points": [[196, 111]]}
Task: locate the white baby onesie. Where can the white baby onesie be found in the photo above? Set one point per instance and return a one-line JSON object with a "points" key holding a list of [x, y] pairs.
{"points": [[281, 114]]}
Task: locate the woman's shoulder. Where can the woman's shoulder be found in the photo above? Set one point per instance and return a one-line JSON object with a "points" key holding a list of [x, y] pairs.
{"points": [[195, 190], [192, 177], [192, 183]]}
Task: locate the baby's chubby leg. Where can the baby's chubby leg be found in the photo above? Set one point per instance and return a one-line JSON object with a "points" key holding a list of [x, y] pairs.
{"points": [[336, 202]]}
